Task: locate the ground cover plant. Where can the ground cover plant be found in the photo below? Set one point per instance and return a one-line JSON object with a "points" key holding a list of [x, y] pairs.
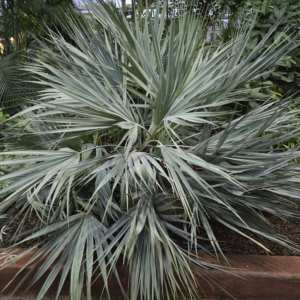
{"points": [[135, 144]]}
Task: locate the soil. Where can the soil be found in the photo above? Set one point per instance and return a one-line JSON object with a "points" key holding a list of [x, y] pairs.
{"points": [[237, 244], [15, 231], [232, 242]]}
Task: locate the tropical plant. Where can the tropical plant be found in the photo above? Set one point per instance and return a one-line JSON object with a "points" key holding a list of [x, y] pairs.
{"points": [[15, 85], [20, 20], [8, 74], [284, 74], [134, 145], [11, 83], [3, 116]]}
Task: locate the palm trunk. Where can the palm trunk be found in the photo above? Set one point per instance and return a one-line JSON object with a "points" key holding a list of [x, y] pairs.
{"points": [[133, 10], [16, 32], [5, 41], [167, 13], [123, 5]]}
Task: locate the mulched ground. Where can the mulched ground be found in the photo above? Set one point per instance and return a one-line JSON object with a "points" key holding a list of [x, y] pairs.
{"points": [[14, 235], [237, 244]]}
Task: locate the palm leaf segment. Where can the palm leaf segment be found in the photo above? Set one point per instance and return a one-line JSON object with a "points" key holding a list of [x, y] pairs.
{"points": [[140, 146]]}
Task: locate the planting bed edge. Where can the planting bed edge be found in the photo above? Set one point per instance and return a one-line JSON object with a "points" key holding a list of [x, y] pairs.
{"points": [[250, 277]]}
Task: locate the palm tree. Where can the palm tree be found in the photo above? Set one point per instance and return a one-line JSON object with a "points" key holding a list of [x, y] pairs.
{"points": [[20, 23], [135, 142], [22, 19]]}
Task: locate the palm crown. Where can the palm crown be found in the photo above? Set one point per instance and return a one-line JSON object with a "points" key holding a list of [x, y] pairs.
{"points": [[136, 141]]}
